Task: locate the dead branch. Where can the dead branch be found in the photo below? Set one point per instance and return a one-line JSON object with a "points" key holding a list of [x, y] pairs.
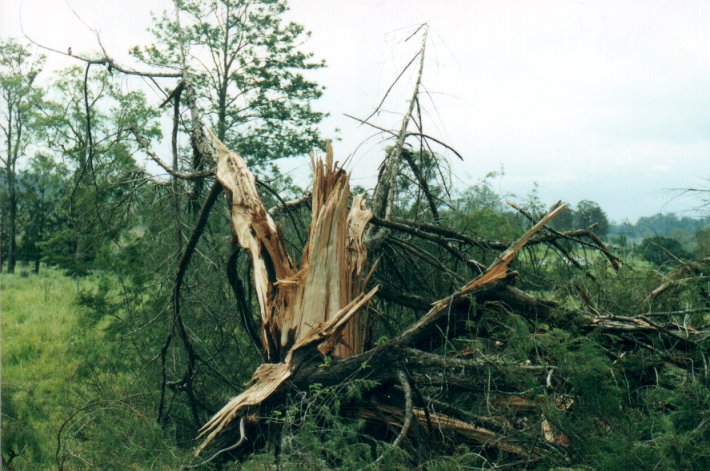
{"points": [[408, 412], [383, 196], [238, 291], [176, 163], [240, 442], [298, 203], [409, 158], [105, 60], [452, 426], [425, 137], [389, 89], [201, 143], [443, 235], [283, 206], [177, 322], [404, 299], [554, 243], [641, 323], [145, 145], [429, 259], [679, 276], [441, 241]]}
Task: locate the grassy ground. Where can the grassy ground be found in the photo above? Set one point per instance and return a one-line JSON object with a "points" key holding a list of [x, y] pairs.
{"points": [[38, 323], [59, 363]]}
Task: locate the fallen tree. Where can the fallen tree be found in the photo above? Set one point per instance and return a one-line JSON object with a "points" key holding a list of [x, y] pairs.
{"points": [[318, 321], [314, 311], [451, 336]]}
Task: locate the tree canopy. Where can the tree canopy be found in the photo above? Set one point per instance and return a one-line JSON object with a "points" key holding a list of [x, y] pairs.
{"points": [[21, 101], [249, 71]]}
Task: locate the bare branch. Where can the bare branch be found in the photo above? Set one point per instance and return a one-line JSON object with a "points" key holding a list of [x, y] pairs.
{"points": [[408, 412], [145, 145], [384, 190], [289, 205], [389, 89], [105, 60], [242, 439]]}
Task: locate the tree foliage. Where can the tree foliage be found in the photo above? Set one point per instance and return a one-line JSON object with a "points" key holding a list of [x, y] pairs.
{"points": [[88, 122], [249, 71], [20, 101], [42, 191], [662, 251], [494, 339], [589, 213]]}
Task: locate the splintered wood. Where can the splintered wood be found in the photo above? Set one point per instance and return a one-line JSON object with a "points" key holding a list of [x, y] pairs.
{"points": [[316, 305]]}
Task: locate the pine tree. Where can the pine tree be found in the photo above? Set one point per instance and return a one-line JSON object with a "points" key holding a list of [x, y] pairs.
{"points": [[249, 72]]}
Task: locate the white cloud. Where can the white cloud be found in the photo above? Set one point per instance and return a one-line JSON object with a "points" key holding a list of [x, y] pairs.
{"points": [[606, 100]]}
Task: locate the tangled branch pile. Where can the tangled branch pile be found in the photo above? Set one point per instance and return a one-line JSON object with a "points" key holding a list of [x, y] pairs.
{"points": [[488, 365]]}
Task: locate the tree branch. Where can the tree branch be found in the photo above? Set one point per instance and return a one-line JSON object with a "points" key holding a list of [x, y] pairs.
{"points": [[145, 145]]}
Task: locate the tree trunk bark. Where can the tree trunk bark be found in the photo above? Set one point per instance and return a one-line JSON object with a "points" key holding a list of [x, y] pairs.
{"points": [[11, 222], [2, 238], [222, 109]]}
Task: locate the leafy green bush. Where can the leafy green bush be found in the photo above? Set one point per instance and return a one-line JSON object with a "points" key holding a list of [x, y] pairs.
{"points": [[662, 251]]}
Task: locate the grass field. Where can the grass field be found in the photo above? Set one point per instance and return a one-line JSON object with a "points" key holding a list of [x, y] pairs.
{"points": [[38, 324], [59, 368]]}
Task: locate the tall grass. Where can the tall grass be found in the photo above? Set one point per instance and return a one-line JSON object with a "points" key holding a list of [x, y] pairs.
{"points": [[39, 320], [64, 367]]}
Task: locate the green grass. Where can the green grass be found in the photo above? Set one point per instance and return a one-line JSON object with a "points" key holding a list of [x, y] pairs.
{"points": [[39, 320], [61, 361]]}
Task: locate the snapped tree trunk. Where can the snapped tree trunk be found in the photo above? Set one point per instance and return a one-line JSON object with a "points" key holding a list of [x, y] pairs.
{"points": [[314, 306]]}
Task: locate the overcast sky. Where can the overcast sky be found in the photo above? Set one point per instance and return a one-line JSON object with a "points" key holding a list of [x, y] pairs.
{"points": [[608, 101]]}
